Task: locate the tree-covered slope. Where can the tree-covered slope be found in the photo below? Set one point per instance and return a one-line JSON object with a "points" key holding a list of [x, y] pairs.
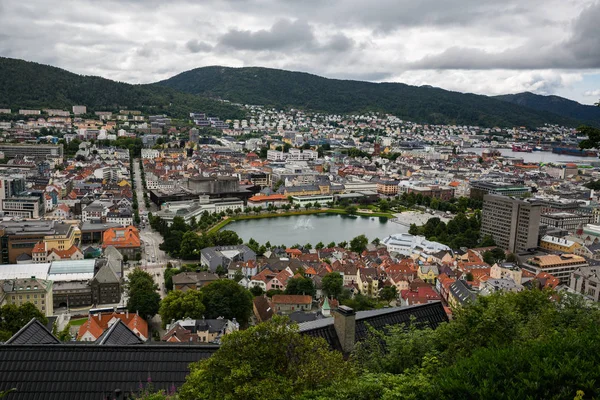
{"points": [[30, 85], [301, 90], [555, 104]]}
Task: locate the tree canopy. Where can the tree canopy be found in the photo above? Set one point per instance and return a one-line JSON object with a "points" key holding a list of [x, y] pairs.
{"points": [[301, 285], [333, 284], [13, 318], [143, 296], [269, 361], [179, 305], [225, 298]]}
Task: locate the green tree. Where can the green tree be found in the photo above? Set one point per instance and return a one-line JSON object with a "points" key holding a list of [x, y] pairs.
{"points": [[13, 318], [221, 271], [388, 293], [238, 276], [351, 209], [179, 305], [277, 363], [319, 246], [333, 284], [359, 244], [343, 244], [65, 334], [190, 246], [301, 285], [143, 296], [331, 245], [256, 291], [511, 258], [225, 298], [494, 256]]}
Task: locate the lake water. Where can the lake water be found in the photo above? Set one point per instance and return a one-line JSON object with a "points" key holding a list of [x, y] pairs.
{"points": [[302, 229], [537, 156]]}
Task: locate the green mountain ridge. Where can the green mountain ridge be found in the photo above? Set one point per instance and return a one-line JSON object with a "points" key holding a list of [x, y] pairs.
{"points": [[555, 104], [283, 89], [31, 85]]}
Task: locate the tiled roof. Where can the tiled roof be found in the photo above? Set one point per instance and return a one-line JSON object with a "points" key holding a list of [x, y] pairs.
{"points": [[34, 332], [431, 314], [291, 299], [80, 371], [262, 308], [118, 334]]}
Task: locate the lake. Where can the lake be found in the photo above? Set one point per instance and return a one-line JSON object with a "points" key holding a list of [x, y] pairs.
{"points": [[537, 156], [302, 229]]}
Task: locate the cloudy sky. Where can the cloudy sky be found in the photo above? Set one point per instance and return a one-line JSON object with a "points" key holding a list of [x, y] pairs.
{"points": [[481, 46]]}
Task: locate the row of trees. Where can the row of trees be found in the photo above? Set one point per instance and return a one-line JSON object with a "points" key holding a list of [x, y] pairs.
{"points": [[180, 240], [461, 231], [532, 344]]}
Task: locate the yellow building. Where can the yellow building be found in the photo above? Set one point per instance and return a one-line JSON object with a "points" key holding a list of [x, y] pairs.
{"points": [[64, 237], [428, 273], [30, 290], [558, 244]]}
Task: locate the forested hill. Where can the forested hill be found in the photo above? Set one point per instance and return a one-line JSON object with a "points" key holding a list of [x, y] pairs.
{"points": [[282, 89], [26, 84], [555, 104]]}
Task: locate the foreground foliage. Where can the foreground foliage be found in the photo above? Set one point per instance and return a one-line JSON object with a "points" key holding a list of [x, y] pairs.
{"points": [[276, 363], [528, 345]]}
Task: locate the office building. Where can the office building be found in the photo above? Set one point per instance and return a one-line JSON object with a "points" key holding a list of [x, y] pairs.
{"points": [[78, 110], [566, 220], [38, 150], [512, 223], [480, 188], [560, 266]]}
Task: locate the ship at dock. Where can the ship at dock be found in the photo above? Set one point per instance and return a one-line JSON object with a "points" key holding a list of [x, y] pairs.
{"points": [[574, 151], [522, 148]]}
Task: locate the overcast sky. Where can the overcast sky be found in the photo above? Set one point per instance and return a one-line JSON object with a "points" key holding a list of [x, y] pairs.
{"points": [[481, 46]]}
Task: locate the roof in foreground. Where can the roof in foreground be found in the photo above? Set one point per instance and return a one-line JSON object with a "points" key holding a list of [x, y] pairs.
{"points": [[80, 371], [431, 314]]}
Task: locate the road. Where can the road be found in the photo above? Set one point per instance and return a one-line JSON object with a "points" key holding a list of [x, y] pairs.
{"points": [[154, 260]]}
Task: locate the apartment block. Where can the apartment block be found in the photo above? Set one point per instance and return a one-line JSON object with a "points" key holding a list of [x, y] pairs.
{"points": [[512, 223]]}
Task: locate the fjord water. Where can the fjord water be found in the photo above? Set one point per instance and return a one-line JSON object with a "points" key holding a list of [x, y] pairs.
{"points": [[302, 229]]}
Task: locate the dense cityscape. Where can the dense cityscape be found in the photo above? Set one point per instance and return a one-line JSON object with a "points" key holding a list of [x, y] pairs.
{"points": [[276, 200]]}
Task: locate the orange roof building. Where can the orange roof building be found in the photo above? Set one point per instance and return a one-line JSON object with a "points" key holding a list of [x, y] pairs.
{"points": [[96, 324], [126, 240]]}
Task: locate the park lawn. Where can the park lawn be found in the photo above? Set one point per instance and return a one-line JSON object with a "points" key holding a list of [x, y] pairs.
{"points": [[78, 322]]}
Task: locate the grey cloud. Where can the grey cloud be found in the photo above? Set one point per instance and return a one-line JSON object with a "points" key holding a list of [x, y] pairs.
{"points": [[283, 35], [339, 43], [197, 46], [286, 35], [580, 51]]}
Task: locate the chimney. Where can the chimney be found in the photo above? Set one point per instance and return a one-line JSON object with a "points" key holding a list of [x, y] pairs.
{"points": [[344, 321]]}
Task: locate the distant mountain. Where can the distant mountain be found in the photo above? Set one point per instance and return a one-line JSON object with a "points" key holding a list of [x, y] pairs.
{"points": [[557, 105], [423, 104], [26, 84]]}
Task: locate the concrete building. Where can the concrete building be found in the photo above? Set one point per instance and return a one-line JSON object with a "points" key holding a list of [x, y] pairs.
{"points": [[387, 187], [195, 208], [480, 188], [512, 223], [78, 110], [586, 280], [38, 150], [560, 266], [407, 244], [566, 220], [213, 184]]}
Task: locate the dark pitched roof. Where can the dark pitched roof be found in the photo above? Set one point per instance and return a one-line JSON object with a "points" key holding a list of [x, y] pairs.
{"points": [[118, 334], [33, 333], [431, 314], [80, 371]]}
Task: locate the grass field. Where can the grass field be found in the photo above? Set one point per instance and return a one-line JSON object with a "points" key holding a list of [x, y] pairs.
{"points": [[78, 322]]}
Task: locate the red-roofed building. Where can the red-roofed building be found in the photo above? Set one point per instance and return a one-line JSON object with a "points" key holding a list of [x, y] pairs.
{"points": [[293, 253], [96, 324], [286, 303], [265, 201], [420, 295], [126, 240]]}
